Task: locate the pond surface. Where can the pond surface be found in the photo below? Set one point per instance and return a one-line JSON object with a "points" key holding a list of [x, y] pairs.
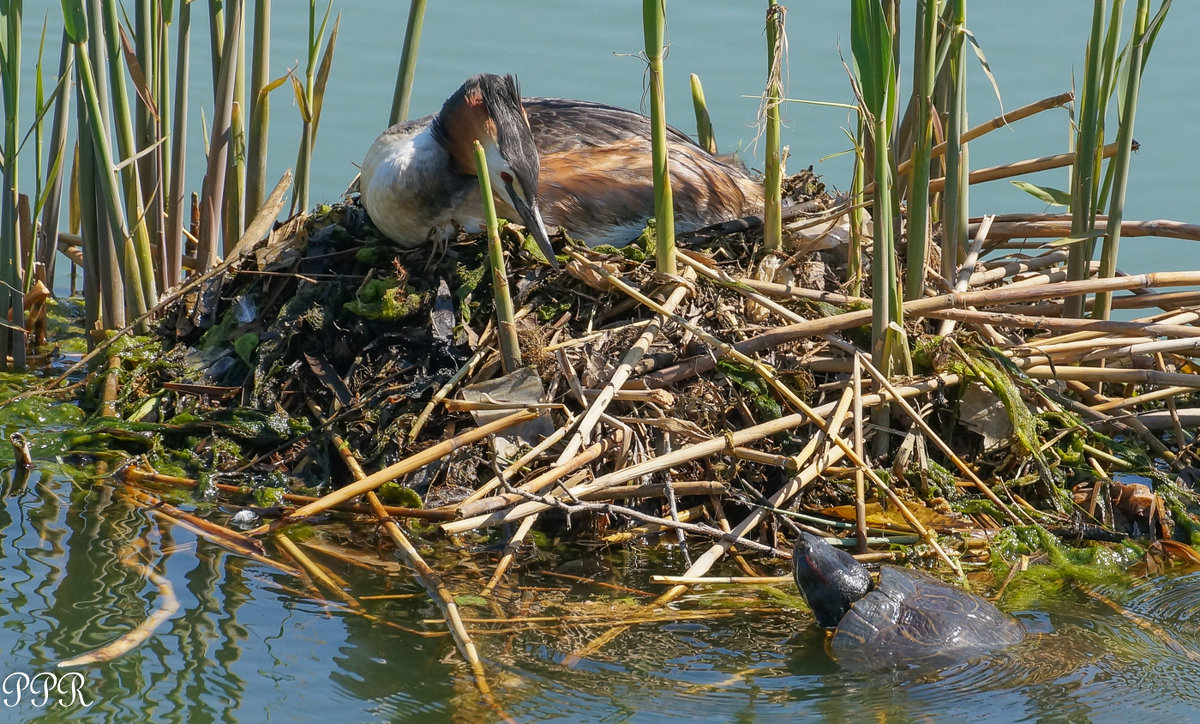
{"points": [[251, 643]]}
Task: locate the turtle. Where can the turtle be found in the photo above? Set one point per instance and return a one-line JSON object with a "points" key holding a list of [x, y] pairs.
{"points": [[907, 617]]}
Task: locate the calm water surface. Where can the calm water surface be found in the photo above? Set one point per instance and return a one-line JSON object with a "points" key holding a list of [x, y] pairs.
{"points": [[248, 645]]}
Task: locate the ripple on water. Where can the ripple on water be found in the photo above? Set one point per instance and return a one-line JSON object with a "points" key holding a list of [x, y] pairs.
{"points": [[1081, 661]]}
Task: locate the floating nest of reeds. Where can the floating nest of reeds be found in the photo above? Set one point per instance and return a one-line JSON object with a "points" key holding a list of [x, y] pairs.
{"points": [[325, 374]]}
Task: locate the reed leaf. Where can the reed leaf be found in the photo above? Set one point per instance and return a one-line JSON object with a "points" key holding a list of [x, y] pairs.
{"points": [[322, 78]]}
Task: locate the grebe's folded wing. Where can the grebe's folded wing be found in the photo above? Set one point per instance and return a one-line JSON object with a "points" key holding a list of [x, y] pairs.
{"points": [[560, 125]]}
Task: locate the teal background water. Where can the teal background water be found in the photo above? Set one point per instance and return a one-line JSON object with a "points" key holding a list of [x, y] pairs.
{"points": [[572, 48], [248, 646]]}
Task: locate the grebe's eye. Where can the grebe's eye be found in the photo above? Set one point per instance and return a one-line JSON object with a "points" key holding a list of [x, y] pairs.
{"points": [[506, 177]]}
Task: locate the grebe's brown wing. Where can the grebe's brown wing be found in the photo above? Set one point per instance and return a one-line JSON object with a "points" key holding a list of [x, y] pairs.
{"points": [[560, 125]]}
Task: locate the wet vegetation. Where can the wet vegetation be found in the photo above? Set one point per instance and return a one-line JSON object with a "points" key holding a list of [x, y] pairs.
{"points": [[946, 390]]}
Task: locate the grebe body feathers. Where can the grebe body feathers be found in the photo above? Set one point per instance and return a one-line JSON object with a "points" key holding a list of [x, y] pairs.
{"points": [[580, 165]]}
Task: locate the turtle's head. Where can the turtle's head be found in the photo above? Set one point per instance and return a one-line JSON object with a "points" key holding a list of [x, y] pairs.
{"points": [[829, 578]]}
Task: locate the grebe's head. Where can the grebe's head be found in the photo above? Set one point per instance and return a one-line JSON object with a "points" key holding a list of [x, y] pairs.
{"points": [[487, 108]]}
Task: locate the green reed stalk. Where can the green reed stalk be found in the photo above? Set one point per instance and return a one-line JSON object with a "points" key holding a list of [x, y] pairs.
{"points": [[216, 41], [704, 127], [213, 190], [506, 327], [1138, 49], [162, 24], [39, 104], [260, 107], [773, 181], [306, 99], [95, 237], [653, 22], [33, 270], [924, 74], [1087, 142], [408, 61], [100, 182], [143, 282], [145, 122], [233, 217], [956, 206], [871, 40], [51, 202], [176, 208], [12, 341]]}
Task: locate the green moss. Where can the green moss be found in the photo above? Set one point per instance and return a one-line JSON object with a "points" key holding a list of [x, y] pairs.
{"points": [[386, 300], [393, 493], [267, 497], [553, 310], [1092, 565], [755, 387]]}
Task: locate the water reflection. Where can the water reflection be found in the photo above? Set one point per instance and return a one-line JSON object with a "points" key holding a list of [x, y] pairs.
{"points": [[249, 645]]}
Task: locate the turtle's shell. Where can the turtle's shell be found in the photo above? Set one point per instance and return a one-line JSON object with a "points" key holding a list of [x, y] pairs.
{"points": [[911, 615]]}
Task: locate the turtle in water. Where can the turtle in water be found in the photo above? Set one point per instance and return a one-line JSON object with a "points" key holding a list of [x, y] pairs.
{"points": [[907, 617]]}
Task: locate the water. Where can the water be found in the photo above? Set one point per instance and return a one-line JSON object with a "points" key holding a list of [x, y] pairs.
{"points": [[248, 645]]}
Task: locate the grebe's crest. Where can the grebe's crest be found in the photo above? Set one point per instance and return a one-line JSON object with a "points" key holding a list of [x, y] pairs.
{"points": [[487, 108]]}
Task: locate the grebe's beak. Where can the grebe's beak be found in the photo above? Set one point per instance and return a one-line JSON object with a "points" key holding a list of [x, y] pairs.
{"points": [[533, 222]]}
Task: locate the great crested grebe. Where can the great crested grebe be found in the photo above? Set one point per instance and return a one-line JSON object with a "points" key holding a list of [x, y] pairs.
{"points": [[579, 165]]}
